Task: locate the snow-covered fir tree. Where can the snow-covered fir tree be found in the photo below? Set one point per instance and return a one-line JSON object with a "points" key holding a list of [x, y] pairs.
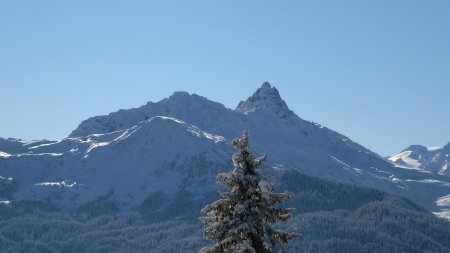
{"points": [[242, 220]]}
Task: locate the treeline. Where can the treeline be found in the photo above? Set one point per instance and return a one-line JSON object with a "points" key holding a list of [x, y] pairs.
{"points": [[312, 194], [391, 225], [45, 232]]}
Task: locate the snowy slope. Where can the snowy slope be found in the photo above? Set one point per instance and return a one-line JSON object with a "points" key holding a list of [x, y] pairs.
{"points": [[159, 154], [180, 142]]}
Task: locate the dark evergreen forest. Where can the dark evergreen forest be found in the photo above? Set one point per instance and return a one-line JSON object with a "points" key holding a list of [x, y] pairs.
{"points": [[331, 216]]}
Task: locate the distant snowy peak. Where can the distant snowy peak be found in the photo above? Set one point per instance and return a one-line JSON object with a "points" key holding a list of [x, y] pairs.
{"points": [[182, 101], [266, 98], [434, 159], [181, 105]]}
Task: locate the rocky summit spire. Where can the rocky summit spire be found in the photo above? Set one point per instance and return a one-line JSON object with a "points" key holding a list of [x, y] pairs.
{"points": [[265, 98], [447, 147]]}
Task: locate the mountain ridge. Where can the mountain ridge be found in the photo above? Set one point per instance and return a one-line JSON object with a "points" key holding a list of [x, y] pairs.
{"points": [[289, 140]]}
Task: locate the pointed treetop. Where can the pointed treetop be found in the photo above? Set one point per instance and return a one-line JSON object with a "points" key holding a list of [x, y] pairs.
{"points": [[242, 143], [244, 159]]}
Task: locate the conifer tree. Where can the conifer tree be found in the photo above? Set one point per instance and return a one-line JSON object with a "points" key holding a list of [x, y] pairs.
{"points": [[241, 221]]}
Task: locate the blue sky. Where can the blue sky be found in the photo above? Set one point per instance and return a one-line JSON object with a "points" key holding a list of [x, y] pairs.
{"points": [[376, 71]]}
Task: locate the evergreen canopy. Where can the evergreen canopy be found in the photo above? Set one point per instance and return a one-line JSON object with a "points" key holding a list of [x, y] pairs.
{"points": [[241, 221]]}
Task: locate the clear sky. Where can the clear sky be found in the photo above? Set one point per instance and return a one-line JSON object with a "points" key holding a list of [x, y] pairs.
{"points": [[376, 71]]}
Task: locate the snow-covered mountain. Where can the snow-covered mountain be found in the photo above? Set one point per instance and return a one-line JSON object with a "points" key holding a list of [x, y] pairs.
{"points": [[181, 142], [433, 159], [158, 154]]}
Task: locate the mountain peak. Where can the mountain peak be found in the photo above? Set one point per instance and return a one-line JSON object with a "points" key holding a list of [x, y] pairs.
{"points": [[180, 94], [182, 97], [416, 148], [266, 85], [447, 146], [264, 98]]}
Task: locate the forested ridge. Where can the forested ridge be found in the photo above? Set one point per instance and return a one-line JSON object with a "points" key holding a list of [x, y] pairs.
{"points": [[331, 216]]}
